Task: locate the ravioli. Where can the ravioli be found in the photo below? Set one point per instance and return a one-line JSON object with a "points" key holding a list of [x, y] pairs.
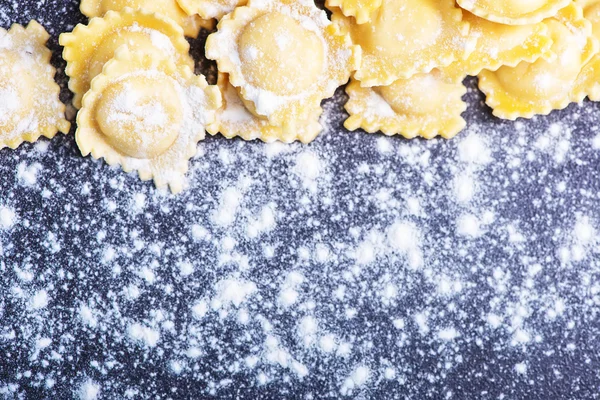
{"points": [[361, 10], [146, 114], [588, 81], [89, 47], [403, 108], [235, 120], [29, 97], [499, 44], [283, 56], [435, 36], [542, 86], [209, 9], [514, 12], [191, 24]]}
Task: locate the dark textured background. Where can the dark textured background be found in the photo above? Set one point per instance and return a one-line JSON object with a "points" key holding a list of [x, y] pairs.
{"points": [[55, 239]]}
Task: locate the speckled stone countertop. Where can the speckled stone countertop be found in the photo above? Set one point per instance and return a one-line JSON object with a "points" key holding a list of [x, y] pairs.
{"points": [[358, 266]]}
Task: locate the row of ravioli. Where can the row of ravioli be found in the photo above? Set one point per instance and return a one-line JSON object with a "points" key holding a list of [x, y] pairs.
{"points": [[530, 57], [141, 106]]}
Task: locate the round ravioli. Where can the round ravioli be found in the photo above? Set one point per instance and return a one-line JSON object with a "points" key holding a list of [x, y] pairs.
{"points": [[209, 9], [29, 102], [90, 46], [147, 115], [425, 105], [514, 12], [191, 24], [284, 56], [233, 119], [406, 37], [544, 85], [361, 10], [499, 44]]}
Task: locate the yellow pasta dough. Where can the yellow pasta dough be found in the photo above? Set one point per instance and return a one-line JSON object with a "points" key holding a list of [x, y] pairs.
{"points": [[191, 24], [424, 105], [90, 46], [29, 102], [499, 44], [209, 9], [544, 85], [146, 114], [406, 37], [234, 119], [361, 10], [588, 80], [514, 12], [285, 56]]}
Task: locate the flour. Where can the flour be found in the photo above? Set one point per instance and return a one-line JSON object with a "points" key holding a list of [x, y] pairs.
{"points": [[327, 343], [521, 368], [378, 107], [473, 149], [186, 268], [448, 334], [144, 335], [469, 225], [307, 329], [265, 222], [89, 390], [308, 166], [39, 300], [230, 201], [289, 294], [87, 316], [7, 217], [27, 174], [232, 292], [579, 241], [358, 378], [556, 142]]}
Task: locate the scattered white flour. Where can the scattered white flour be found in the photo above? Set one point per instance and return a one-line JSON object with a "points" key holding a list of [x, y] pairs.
{"points": [[448, 334], [308, 166], [521, 368], [307, 330], [378, 106], [232, 292], [27, 174], [474, 149], [7, 217], [288, 295], [231, 198], [580, 241], [39, 300], [405, 238], [556, 142], [469, 225], [264, 222], [89, 390], [357, 378], [328, 343], [138, 202], [186, 268], [87, 316], [596, 142], [464, 187], [143, 334]]}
